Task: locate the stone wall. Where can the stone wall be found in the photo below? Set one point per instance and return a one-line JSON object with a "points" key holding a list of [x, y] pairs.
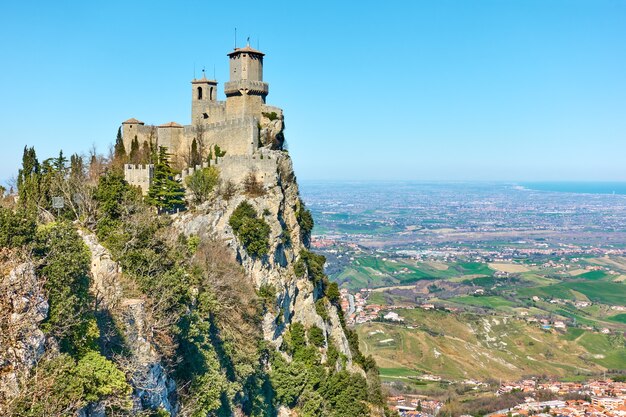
{"points": [[139, 176], [174, 139], [235, 136], [142, 132], [241, 105], [215, 112], [236, 168]]}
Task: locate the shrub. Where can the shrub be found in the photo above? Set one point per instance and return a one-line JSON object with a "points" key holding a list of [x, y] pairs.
{"points": [[320, 309], [332, 292], [299, 267], [16, 229], [65, 266], [252, 231], [252, 186], [267, 292], [243, 211], [202, 183], [272, 116], [316, 336], [228, 190], [305, 220]]}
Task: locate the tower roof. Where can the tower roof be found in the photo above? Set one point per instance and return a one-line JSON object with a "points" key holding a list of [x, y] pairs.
{"points": [[247, 49], [132, 121], [203, 80], [170, 124]]}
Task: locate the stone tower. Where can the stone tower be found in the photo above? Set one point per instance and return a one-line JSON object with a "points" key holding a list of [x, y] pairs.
{"points": [[204, 105], [246, 91]]}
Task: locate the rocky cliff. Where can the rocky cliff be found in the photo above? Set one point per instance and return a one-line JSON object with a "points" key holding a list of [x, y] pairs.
{"points": [[218, 310], [296, 295]]}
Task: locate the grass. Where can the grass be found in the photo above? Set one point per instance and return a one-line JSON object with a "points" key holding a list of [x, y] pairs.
{"points": [[461, 346], [600, 292], [593, 275], [469, 268], [494, 301], [619, 318]]}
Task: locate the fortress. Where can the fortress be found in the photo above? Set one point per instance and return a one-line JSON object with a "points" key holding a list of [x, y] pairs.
{"points": [[243, 128]]}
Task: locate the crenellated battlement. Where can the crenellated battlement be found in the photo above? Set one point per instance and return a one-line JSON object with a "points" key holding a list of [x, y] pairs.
{"points": [[249, 86], [139, 176]]}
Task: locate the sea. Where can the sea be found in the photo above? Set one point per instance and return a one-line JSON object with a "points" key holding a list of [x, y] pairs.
{"points": [[577, 187]]}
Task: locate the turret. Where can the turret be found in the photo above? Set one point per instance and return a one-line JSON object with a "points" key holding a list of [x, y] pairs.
{"points": [[246, 91], [203, 95]]}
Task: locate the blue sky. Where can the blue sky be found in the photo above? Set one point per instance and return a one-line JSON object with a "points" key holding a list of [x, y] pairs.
{"points": [[417, 90]]}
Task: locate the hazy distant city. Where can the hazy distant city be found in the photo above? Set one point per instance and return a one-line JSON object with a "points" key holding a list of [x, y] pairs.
{"points": [[493, 286]]}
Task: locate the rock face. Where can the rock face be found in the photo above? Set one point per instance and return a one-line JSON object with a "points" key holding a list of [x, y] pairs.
{"points": [[152, 387], [278, 206], [22, 308]]}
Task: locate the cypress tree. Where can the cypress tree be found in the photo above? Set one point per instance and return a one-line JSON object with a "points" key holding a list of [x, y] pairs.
{"points": [[134, 151], [196, 158], [119, 152], [77, 167], [165, 193], [28, 178]]}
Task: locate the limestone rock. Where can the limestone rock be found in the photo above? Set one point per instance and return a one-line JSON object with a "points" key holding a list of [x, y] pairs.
{"points": [[23, 307], [152, 387]]}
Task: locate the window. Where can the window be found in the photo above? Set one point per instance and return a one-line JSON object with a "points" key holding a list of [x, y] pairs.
{"points": [[204, 115], [199, 93], [211, 94]]}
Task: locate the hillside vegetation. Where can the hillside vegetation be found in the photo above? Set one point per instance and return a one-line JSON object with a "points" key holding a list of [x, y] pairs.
{"points": [[127, 315]]}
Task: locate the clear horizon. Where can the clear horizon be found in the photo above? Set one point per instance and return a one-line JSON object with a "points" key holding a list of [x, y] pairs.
{"points": [[412, 91]]}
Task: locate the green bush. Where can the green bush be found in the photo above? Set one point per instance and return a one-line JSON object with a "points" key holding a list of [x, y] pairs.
{"points": [[65, 266], [62, 386], [270, 115], [305, 220], [243, 211], [252, 231], [332, 292], [316, 336], [16, 228], [202, 183], [254, 235], [320, 309]]}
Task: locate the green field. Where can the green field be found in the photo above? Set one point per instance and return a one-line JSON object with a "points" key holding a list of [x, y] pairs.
{"points": [[494, 302], [593, 275], [464, 346], [611, 293], [619, 318]]}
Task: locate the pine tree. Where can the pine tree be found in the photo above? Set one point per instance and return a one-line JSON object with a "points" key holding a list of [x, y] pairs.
{"points": [[119, 152], [60, 163], [165, 193]]}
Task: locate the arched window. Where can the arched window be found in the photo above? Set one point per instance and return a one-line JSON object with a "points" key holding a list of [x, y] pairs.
{"points": [[211, 94], [199, 93]]}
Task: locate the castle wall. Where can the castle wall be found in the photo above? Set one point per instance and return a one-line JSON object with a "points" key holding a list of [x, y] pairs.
{"points": [[139, 176], [236, 168], [215, 112], [244, 105], [142, 132], [235, 136], [173, 139]]}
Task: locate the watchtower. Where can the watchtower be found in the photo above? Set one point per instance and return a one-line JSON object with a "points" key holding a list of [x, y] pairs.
{"points": [[203, 97], [246, 91]]}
